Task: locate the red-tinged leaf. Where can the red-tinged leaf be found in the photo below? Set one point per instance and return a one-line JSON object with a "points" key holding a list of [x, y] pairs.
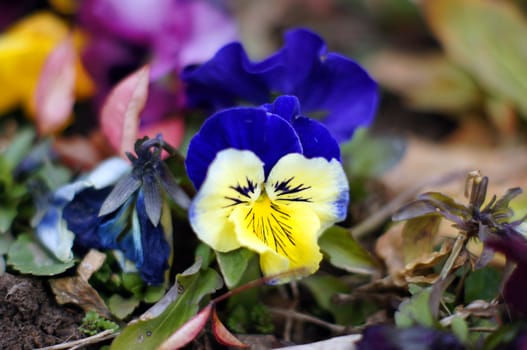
{"points": [[172, 129], [223, 335], [54, 95], [120, 112], [188, 331]]}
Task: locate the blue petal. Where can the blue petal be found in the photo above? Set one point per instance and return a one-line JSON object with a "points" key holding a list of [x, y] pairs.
{"points": [[316, 139], [269, 136], [223, 80], [323, 82], [113, 225], [344, 90], [81, 215], [155, 250], [287, 107]]}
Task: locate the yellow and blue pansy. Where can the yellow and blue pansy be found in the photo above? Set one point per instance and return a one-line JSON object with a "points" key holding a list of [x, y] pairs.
{"points": [[269, 180]]}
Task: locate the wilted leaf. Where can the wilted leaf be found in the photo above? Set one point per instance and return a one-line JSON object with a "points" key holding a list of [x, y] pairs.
{"points": [[419, 235], [76, 290], [152, 333], [28, 256], [54, 96], [427, 81], [346, 253], [488, 39], [222, 334], [233, 265], [120, 112]]}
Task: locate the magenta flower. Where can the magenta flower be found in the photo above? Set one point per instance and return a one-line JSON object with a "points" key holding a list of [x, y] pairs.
{"points": [[166, 34]]}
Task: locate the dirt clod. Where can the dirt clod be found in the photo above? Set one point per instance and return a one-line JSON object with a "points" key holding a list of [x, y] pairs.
{"points": [[30, 318]]}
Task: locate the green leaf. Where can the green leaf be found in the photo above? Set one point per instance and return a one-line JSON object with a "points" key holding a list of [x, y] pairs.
{"points": [[5, 242], [7, 215], [233, 265], [415, 311], [151, 333], [122, 307], [487, 38], [482, 284], [368, 156], [344, 252], [18, 148], [28, 256], [418, 236], [460, 328], [324, 289]]}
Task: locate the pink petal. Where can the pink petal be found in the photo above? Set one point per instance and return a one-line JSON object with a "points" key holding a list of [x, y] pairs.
{"points": [[223, 335], [120, 112], [54, 95], [188, 331]]}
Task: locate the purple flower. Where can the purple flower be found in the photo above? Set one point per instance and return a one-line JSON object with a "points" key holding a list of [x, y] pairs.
{"points": [[167, 34], [514, 246], [326, 83], [422, 338]]}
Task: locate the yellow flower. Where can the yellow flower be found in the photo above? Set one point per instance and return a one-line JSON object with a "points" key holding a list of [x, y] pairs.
{"points": [[279, 216], [23, 51]]}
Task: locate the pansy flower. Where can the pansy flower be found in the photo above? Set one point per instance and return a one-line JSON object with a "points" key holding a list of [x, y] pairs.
{"points": [[121, 208], [269, 180], [326, 83]]}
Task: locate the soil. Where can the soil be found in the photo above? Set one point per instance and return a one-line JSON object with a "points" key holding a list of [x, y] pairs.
{"points": [[30, 317]]}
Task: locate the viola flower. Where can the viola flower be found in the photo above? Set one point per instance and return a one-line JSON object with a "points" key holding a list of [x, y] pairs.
{"points": [[165, 34], [514, 246], [325, 83], [123, 208], [269, 180], [24, 48]]}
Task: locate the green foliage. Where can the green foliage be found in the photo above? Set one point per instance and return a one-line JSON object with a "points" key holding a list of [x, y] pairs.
{"points": [[367, 156], [324, 288], [151, 333], [93, 323], [344, 252], [28, 256], [233, 265], [460, 328], [415, 311], [482, 284]]}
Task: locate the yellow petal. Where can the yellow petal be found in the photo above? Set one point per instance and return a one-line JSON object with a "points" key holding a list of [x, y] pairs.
{"points": [[23, 51], [234, 179], [285, 236], [318, 183]]}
